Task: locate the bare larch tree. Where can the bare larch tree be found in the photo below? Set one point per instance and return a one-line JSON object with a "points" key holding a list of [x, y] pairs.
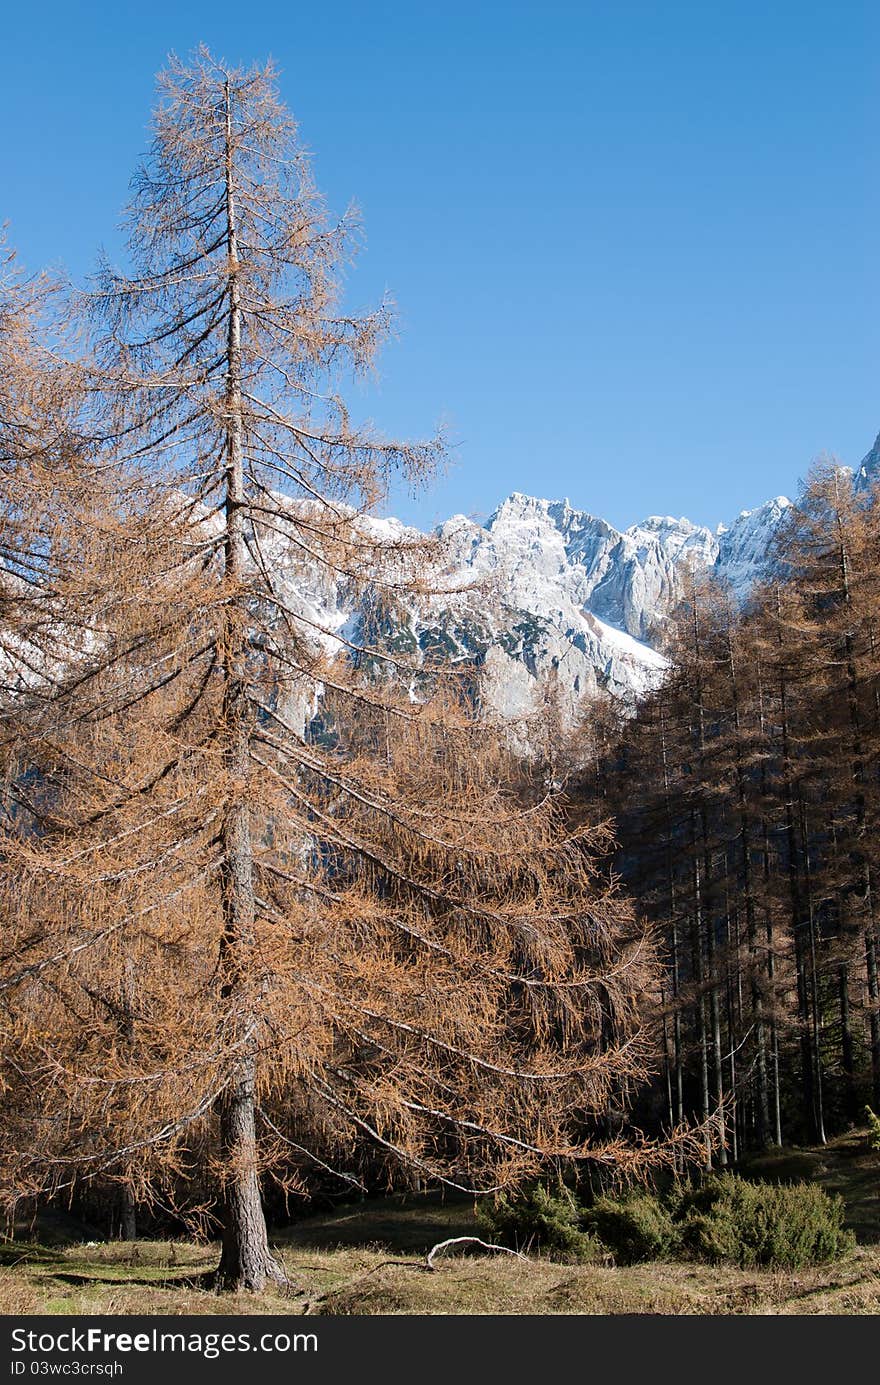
{"points": [[280, 895]]}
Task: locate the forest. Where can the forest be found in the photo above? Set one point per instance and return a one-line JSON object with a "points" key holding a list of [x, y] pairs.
{"points": [[745, 794], [286, 913]]}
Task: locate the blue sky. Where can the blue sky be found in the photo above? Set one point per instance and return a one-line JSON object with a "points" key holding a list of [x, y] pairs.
{"points": [[634, 245]]}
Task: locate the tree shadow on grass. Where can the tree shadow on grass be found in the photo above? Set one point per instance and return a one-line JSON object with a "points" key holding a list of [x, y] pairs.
{"points": [[79, 1279]]}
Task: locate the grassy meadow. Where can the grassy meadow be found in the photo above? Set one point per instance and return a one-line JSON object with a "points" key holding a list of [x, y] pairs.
{"points": [[370, 1258]]}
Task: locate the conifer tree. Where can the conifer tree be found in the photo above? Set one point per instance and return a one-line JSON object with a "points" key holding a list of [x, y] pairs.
{"points": [[746, 790], [283, 895]]}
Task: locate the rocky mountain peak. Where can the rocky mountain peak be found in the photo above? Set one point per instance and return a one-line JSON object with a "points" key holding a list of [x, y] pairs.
{"points": [[545, 591], [869, 468]]}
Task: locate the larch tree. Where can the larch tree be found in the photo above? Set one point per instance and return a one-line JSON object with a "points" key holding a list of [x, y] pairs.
{"points": [[43, 476], [281, 896], [745, 789], [834, 551]]}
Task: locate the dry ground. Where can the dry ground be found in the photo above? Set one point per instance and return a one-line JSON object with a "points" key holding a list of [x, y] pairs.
{"points": [[369, 1258]]}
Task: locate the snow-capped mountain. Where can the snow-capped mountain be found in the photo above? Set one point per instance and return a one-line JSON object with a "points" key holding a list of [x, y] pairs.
{"points": [[545, 595], [869, 468], [576, 598], [744, 548]]}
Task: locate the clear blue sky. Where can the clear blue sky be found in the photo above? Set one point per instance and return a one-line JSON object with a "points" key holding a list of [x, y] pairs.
{"points": [[634, 245]]}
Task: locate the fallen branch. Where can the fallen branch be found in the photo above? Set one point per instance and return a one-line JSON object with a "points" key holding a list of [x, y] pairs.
{"points": [[311, 1304], [468, 1240]]}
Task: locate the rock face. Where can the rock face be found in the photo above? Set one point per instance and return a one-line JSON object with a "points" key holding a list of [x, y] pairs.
{"points": [[577, 600], [547, 595], [868, 472], [744, 548]]}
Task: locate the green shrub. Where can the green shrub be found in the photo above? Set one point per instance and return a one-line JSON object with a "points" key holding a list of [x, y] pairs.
{"points": [[761, 1224], [873, 1128], [540, 1220], [636, 1226], [722, 1219]]}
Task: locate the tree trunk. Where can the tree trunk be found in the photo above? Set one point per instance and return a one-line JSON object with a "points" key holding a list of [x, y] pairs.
{"points": [[847, 1051], [874, 1011], [676, 1023], [763, 1096], [707, 903], [127, 1204], [697, 950], [245, 1261], [768, 933], [674, 960], [127, 1216], [733, 991], [816, 1023], [795, 892], [667, 1061]]}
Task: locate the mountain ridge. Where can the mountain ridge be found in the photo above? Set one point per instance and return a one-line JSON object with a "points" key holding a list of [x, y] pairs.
{"points": [[545, 594], [583, 601]]}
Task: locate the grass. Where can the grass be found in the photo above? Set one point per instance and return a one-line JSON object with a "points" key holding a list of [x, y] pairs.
{"points": [[370, 1259]]}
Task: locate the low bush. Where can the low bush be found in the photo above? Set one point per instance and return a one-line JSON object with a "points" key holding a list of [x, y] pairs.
{"points": [[722, 1219], [539, 1220], [761, 1224], [636, 1226]]}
